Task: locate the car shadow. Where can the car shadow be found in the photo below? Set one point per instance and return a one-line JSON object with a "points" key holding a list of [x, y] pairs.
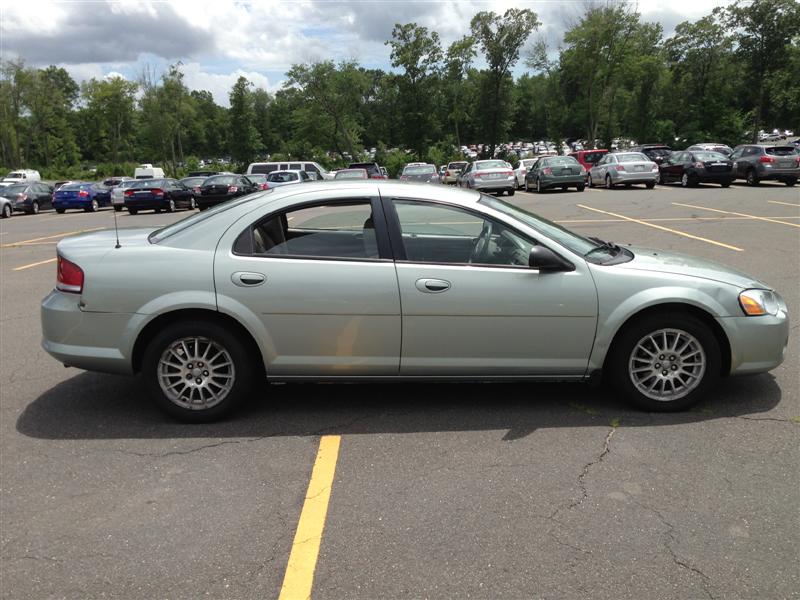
{"points": [[97, 406]]}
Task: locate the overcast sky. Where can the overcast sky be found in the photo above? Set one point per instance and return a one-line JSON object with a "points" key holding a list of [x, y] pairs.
{"points": [[218, 40]]}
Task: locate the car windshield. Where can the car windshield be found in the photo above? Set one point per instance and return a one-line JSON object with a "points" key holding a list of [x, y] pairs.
{"points": [[630, 157], [780, 150], [165, 232], [149, 184], [220, 180], [490, 164], [13, 189], [282, 176], [14, 175], [193, 181], [709, 156], [71, 187], [593, 157], [578, 244], [419, 170]]}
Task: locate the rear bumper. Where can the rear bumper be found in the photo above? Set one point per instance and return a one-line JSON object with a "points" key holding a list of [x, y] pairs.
{"points": [[634, 177], [507, 183], [146, 204], [778, 174], [211, 200], [82, 204], [569, 180], [758, 344], [87, 340], [714, 176]]}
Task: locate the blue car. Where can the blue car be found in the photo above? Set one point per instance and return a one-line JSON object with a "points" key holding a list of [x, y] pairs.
{"points": [[80, 194]]}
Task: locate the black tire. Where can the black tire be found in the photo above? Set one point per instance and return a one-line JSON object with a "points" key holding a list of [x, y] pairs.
{"points": [[790, 182], [118, 208], [157, 210], [662, 180], [725, 184], [192, 204], [242, 371], [133, 211], [628, 186], [527, 189], [202, 207], [589, 181], [171, 206], [632, 334], [752, 178], [609, 184], [510, 192], [61, 211], [539, 188], [6, 211], [580, 188], [650, 185]]}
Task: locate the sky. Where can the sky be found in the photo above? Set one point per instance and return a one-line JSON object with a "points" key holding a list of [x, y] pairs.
{"points": [[219, 40]]}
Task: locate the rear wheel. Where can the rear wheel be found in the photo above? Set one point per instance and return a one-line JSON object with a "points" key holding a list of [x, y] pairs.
{"points": [[118, 208], [527, 189], [726, 183], [589, 181], [192, 204], [539, 188], [171, 205], [133, 211], [662, 180], [197, 371], [93, 207], [752, 178], [650, 185], [665, 362], [581, 188], [511, 192], [34, 208], [6, 211], [790, 182], [685, 180], [61, 211]]}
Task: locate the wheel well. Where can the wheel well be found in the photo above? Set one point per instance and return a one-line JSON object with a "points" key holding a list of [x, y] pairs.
{"points": [[191, 314], [677, 307]]}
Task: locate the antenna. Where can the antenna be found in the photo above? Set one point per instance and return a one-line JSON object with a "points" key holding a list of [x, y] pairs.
{"points": [[116, 229]]}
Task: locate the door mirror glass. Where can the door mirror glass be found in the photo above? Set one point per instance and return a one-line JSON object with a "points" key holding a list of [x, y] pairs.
{"points": [[545, 260]]}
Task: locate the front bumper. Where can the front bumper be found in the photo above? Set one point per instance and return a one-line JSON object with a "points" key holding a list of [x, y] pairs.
{"points": [[88, 340], [758, 344]]}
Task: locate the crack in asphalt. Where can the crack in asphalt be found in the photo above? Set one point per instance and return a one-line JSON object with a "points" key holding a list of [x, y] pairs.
{"points": [[775, 419], [190, 450]]}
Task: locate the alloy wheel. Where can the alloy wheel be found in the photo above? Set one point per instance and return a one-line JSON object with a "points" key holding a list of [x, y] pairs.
{"points": [[6, 211], [196, 373], [667, 364], [35, 208], [685, 180]]}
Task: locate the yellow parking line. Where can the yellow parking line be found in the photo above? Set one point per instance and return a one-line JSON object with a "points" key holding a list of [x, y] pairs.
{"points": [[50, 237], [299, 577], [50, 243], [662, 228], [784, 203], [36, 264], [730, 212]]}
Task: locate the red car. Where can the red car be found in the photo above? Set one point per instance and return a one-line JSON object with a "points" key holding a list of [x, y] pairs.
{"points": [[588, 158]]}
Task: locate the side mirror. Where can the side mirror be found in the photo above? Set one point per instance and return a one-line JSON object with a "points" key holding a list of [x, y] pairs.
{"points": [[547, 261]]}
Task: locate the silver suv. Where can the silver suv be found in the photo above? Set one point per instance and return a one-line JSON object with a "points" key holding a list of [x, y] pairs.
{"points": [[755, 163]]}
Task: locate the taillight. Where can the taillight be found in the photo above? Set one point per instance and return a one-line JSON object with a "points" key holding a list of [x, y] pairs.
{"points": [[766, 159], [547, 171], [699, 165], [403, 177], [508, 173], [232, 189], [447, 173], [129, 193], [620, 167], [22, 196], [265, 186], [83, 194], [157, 192], [196, 189], [69, 276], [654, 168], [479, 174]]}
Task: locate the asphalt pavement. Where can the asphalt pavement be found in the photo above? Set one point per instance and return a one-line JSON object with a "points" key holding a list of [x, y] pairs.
{"points": [[438, 490]]}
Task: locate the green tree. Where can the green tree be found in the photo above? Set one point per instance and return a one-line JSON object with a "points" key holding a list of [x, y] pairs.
{"points": [[111, 103], [458, 61], [245, 141], [501, 39]]}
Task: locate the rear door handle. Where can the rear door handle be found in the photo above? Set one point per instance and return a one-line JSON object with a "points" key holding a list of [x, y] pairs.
{"points": [[248, 279], [432, 286]]}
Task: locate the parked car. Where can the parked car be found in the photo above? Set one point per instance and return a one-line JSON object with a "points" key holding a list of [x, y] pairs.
{"points": [[148, 171], [385, 172], [522, 170], [28, 197], [712, 147], [157, 195], [657, 153], [351, 174], [589, 158], [290, 177], [82, 195], [555, 172], [494, 176], [6, 207], [624, 168], [756, 163], [118, 194], [221, 188], [695, 167], [21, 176], [373, 169], [477, 288], [420, 172], [453, 170], [314, 169], [194, 182], [205, 174], [260, 180]]}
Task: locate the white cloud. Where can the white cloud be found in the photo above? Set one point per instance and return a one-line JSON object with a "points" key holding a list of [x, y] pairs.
{"points": [[220, 84]]}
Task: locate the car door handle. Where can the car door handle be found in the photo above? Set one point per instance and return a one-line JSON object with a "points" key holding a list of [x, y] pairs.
{"points": [[247, 279], [432, 286]]}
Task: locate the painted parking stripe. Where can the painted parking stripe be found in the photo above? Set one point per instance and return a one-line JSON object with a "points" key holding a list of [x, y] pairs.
{"points": [[662, 228], [36, 264], [299, 577], [784, 203], [50, 237], [738, 214]]}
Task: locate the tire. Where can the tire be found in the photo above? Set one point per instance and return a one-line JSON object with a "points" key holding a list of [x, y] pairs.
{"points": [[635, 344], [510, 192], [118, 208], [609, 184], [201, 207], [725, 184], [192, 204], [539, 188], [687, 181], [93, 207], [589, 181], [650, 185], [628, 186], [171, 206], [197, 339], [790, 182], [6, 214], [580, 188], [34, 208], [133, 211], [157, 211], [527, 189], [752, 178], [662, 180], [61, 211]]}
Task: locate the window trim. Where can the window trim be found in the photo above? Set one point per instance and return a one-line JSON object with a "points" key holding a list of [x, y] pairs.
{"points": [[378, 220]]}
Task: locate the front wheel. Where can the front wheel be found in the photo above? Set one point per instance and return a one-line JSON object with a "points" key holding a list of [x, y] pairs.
{"points": [[665, 363], [511, 192], [197, 371], [581, 188], [752, 178], [650, 185], [118, 208], [725, 184], [790, 182], [527, 189], [61, 211], [35, 208], [6, 211], [133, 211], [589, 181], [609, 183]]}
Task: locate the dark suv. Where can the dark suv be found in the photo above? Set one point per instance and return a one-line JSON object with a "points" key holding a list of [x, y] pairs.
{"points": [[754, 163], [373, 169], [658, 153]]}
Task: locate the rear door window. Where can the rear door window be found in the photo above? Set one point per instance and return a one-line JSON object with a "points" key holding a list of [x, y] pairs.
{"points": [[780, 150]]}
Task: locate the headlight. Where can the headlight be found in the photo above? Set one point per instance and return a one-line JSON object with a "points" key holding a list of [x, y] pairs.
{"points": [[755, 303]]}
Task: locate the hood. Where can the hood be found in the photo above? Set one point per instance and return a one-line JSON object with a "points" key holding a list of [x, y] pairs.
{"points": [[660, 261]]}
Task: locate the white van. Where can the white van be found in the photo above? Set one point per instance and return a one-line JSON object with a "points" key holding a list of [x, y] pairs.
{"points": [[148, 171], [314, 170], [21, 176]]}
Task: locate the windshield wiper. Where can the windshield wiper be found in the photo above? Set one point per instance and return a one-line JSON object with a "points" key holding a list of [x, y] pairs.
{"points": [[610, 246]]}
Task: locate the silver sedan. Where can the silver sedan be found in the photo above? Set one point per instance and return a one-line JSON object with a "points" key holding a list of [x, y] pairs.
{"points": [[322, 282], [495, 176], [624, 168]]}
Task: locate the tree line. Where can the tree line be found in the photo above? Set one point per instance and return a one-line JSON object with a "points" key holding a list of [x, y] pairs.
{"points": [[720, 78]]}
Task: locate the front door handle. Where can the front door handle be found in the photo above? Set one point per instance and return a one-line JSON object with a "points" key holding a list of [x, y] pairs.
{"points": [[432, 286], [248, 279]]}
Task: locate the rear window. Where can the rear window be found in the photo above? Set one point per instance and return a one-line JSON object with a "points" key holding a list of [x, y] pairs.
{"points": [[593, 157], [282, 177], [491, 164], [13, 189], [71, 187], [263, 168], [350, 174], [258, 178], [193, 181], [630, 157], [657, 152], [561, 160], [371, 168], [709, 156], [419, 170], [220, 180], [149, 184], [457, 165], [15, 175], [780, 150]]}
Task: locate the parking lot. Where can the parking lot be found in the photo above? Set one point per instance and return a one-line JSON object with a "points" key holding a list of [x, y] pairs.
{"points": [[423, 490]]}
